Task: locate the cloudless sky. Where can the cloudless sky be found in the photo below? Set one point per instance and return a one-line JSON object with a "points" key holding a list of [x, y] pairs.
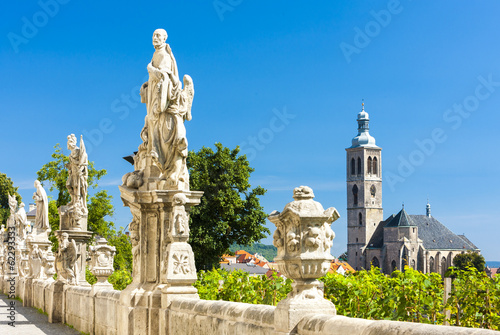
{"points": [[76, 67]]}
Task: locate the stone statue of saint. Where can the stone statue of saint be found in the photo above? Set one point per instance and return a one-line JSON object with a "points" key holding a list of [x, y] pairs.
{"points": [[77, 182], [42, 207], [168, 106], [13, 208], [66, 259], [21, 222]]}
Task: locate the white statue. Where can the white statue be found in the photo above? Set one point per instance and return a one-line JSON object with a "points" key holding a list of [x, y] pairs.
{"points": [[42, 207], [21, 222], [13, 209], [77, 182], [66, 258], [168, 106]]}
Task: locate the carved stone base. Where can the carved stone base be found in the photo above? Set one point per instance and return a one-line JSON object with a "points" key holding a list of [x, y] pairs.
{"points": [[290, 311], [69, 219], [139, 310]]}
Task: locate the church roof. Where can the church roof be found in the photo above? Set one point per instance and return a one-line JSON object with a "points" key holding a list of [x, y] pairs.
{"points": [[435, 235], [402, 219]]}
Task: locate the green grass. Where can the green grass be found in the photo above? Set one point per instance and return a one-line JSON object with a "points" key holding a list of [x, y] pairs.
{"points": [[39, 310]]}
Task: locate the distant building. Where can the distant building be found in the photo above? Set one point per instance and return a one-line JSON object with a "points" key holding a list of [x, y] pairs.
{"points": [[31, 216], [337, 266], [419, 241], [243, 260]]}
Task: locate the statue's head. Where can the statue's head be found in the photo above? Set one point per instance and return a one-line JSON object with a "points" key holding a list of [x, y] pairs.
{"points": [[64, 236], [21, 205], [37, 183], [71, 142], [159, 37]]}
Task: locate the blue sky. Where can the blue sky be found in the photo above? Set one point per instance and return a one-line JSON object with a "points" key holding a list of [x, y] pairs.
{"points": [[284, 80]]}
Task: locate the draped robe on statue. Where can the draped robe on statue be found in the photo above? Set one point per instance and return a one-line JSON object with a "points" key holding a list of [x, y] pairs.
{"points": [[166, 115]]}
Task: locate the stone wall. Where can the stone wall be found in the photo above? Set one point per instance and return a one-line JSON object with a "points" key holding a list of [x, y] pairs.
{"points": [[191, 316]]}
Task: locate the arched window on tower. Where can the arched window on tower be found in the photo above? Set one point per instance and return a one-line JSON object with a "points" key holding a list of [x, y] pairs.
{"points": [[353, 166], [359, 165], [369, 165], [375, 166], [360, 219], [373, 191], [355, 195]]}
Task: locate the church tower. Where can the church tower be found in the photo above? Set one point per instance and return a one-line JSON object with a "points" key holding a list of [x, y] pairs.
{"points": [[364, 192]]}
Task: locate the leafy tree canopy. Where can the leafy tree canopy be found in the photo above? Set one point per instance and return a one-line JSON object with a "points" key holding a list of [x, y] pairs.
{"points": [[6, 188], [469, 259], [230, 211]]}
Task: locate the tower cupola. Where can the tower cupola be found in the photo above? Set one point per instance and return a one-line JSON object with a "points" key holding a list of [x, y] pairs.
{"points": [[363, 139], [428, 209]]}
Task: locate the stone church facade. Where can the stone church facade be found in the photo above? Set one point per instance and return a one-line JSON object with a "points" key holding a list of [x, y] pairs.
{"points": [[419, 241]]}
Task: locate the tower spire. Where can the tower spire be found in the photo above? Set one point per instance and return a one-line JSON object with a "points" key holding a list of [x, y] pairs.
{"points": [[428, 209]]}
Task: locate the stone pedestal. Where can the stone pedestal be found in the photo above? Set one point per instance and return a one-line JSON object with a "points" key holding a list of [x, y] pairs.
{"points": [[163, 264]]}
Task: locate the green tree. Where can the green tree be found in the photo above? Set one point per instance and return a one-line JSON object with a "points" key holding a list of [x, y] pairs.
{"points": [[6, 188], [468, 259], [229, 211]]}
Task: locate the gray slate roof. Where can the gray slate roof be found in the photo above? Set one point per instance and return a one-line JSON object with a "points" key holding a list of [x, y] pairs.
{"points": [[433, 233], [402, 219]]}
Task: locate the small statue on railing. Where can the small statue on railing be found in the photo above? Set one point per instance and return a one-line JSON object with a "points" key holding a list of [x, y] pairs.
{"points": [[42, 208], [66, 266]]}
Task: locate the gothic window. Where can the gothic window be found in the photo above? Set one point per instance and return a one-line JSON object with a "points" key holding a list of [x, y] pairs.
{"points": [[444, 267], [431, 265], [373, 191], [375, 262], [360, 219], [355, 195], [369, 165], [375, 166], [353, 167], [359, 165], [413, 264]]}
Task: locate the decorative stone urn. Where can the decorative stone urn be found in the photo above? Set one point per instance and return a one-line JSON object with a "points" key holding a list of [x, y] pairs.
{"points": [[101, 264], [303, 237]]}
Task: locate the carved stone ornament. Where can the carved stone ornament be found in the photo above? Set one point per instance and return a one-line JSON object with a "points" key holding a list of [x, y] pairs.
{"points": [[101, 264], [179, 227], [303, 237]]}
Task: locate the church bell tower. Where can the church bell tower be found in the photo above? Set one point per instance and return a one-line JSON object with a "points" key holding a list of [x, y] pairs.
{"points": [[364, 192]]}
